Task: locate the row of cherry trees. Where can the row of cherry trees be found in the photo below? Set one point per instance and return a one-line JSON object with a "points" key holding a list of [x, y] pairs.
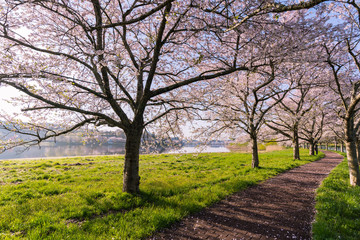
{"points": [[143, 64], [309, 92]]}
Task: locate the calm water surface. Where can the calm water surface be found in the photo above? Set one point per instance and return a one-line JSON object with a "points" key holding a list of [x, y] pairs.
{"points": [[86, 150]]}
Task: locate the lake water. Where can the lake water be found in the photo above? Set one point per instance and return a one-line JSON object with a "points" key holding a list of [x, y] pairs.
{"points": [[200, 149], [86, 150]]}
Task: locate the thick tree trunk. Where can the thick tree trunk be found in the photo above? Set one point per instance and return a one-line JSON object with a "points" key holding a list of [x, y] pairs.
{"points": [[358, 150], [296, 149], [312, 149], [357, 147], [351, 154], [255, 154], [352, 163], [131, 179]]}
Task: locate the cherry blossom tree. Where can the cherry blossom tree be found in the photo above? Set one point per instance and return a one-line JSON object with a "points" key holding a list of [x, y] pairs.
{"points": [[346, 85], [242, 101], [342, 57], [288, 116], [122, 64], [297, 116], [314, 124]]}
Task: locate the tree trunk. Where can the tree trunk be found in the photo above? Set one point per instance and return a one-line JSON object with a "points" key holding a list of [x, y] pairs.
{"points": [[131, 179], [327, 146], [352, 163], [358, 150], [335, 146], [342, 147], [296, 150], [350, 143], [255, 154], [312, 149]]}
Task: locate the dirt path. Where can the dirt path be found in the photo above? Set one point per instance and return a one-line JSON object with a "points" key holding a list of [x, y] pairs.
{"points": [[280, 208]]}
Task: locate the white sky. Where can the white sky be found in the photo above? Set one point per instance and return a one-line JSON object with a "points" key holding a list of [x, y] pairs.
{"points": [[5, 94]]}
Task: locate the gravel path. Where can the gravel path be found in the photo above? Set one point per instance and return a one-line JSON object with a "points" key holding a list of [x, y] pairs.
{"points": [[280, 208]]}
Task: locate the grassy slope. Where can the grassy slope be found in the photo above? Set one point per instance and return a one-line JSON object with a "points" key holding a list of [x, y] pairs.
{"points": [[81, 198], [338, 207]]}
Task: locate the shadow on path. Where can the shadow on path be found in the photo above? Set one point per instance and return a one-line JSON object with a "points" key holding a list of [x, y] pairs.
{"points": [[279, 208]]}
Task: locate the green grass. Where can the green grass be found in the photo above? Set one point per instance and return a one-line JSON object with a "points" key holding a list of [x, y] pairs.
{"points": [[261, 146], [271, 142], [338, 207], [243, 146], [81, 198]]}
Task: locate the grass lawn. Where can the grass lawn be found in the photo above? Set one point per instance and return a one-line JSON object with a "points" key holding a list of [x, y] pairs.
{"points": [[81, 198], [338, 207]]}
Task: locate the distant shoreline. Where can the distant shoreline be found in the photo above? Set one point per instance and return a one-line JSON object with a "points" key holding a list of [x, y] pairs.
{"points": [[186, 150], [40, 158]]}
